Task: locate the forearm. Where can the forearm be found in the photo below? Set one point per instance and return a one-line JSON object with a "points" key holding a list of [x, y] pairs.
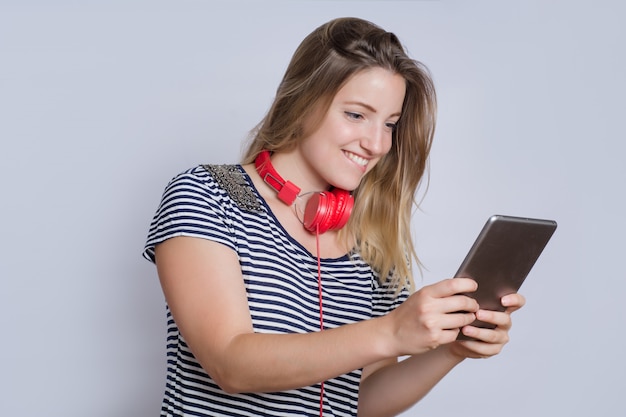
{"points": [[254, 362], [395, 388], [202, 284]]}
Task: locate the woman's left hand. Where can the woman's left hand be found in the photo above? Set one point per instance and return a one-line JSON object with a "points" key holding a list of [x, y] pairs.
{"points": [[489, 342]]}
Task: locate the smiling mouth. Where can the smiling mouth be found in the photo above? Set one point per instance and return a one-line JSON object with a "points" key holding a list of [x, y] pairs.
{"points": [[356, 159]]}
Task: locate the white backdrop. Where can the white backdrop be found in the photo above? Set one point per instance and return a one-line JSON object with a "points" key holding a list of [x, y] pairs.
{"points": [[101, 103]]}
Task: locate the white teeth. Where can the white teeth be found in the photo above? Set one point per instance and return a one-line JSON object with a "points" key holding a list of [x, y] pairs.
{"points": [[357, 159]]}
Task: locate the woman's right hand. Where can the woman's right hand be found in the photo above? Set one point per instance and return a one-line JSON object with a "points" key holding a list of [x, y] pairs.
{"points": [[432, 316]]}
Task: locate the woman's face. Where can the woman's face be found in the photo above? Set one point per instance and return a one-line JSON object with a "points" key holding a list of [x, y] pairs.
{"points": [[356, 130]]}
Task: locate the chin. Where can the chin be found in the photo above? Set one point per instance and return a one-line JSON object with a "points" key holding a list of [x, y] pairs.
{"points": [[346, 180], [347, 185]]}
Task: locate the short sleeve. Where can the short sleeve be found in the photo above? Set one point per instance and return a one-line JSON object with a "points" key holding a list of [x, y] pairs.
{"points": [[192, 205]]}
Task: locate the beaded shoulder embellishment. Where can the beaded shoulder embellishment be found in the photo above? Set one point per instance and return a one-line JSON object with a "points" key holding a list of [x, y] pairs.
{"points": [[233, 181]]}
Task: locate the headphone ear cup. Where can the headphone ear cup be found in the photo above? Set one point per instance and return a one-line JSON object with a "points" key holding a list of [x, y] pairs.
{"points": [[328, 210], [343, 208], [318, 211]]}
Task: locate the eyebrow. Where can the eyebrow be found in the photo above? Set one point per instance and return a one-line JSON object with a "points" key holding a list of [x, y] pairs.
{"points": [[370, 108]]}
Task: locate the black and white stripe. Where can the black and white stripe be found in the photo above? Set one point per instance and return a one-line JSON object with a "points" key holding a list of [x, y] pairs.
{"points": [[281, 281]]}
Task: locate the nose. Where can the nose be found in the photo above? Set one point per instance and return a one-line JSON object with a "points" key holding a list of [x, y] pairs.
{"points": [[377, 140]]}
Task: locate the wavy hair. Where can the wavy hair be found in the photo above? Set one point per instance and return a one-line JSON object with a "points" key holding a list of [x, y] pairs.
{"points": [[384, 200]]}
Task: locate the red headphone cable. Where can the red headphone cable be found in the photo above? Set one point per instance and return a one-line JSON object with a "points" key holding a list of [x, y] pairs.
{"points": [[339, 209], [319, 290]]}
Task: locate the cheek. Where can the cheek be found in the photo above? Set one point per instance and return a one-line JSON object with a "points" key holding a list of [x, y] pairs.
{"points": [[385, 150], [387, 144]]}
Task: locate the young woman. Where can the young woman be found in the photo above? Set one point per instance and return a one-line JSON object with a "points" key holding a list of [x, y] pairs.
{"points": [[288, 278]]}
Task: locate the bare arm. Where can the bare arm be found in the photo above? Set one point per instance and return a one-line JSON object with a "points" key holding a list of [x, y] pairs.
{"points": [[204, 288], [390, 388], [398, 386]]}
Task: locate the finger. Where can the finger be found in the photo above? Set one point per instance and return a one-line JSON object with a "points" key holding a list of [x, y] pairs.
{"points": [[499, 319], [490, 336], [481, 349], [457, 320], [461, 303], [452, 286], [449, 335], [513, 302]]}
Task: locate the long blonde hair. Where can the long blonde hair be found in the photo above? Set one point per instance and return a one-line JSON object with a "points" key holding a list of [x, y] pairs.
{"points": [[386, 196]]}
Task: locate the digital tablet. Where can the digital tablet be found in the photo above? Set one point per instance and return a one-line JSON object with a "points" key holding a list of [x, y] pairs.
{"points": [[501, 258]]}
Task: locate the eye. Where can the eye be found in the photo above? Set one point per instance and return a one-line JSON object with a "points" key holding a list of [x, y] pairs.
{"points": [[353, 115], [391, 126]]}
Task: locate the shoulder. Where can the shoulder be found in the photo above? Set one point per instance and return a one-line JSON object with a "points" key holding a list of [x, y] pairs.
{"points": [[233, 180], [198, 176], [202, 201], [221, 182]]}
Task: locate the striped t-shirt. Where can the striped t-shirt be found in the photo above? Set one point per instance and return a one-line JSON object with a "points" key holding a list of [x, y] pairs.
{"points": [[220, 203]]}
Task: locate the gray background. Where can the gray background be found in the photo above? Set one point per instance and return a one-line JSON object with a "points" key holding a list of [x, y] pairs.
{"points": [[101, 103]]}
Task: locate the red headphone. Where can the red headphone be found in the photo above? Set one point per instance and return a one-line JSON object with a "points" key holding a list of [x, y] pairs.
{"points": [[326, 210]]}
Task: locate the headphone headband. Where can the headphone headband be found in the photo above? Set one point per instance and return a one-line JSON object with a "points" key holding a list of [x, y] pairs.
{"points": [[324, 211], [287, 190]]}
